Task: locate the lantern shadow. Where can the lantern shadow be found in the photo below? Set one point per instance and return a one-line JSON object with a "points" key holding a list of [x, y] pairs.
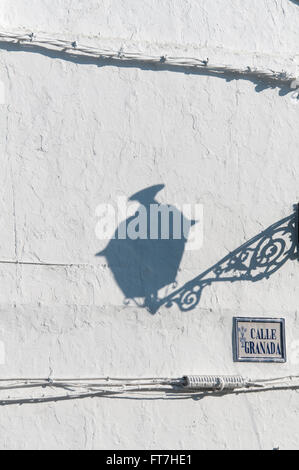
{"points": [[142, 267]]}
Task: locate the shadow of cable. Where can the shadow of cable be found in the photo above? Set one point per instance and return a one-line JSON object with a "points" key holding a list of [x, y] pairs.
{"points": [[261, 83], [175, 394]]}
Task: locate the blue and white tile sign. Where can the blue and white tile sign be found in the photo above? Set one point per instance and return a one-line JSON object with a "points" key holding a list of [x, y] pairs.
{"points": [[259, 340]]}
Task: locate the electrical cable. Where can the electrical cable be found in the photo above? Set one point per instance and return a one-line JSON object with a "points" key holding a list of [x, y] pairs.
{"points": [[186, 386]]}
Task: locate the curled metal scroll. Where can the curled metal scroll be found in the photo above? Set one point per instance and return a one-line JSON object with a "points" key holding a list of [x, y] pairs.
{"points": [[255, 260]]}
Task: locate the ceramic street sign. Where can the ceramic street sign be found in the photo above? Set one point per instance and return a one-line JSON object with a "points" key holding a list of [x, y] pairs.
{"points": [[259, 340]]}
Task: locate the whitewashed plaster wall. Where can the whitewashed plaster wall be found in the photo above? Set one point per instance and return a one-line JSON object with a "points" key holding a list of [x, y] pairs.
{"points": [[74, 135]]}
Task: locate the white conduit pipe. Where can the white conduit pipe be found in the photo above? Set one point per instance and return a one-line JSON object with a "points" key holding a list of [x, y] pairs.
{"points": [[212, 382], [74, 48]]}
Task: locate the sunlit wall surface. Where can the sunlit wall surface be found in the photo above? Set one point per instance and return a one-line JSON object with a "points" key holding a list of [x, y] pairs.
{"points": [[76, 134]]}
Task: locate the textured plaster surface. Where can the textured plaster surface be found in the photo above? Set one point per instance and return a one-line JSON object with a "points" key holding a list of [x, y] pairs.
{"points": [[77, 135]]}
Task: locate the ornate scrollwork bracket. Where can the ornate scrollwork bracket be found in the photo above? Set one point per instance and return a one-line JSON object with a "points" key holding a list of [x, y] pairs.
{"points": [[257, 259]]}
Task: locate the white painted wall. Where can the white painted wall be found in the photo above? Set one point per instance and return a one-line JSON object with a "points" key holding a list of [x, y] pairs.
{"points": [[77, 135]]}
